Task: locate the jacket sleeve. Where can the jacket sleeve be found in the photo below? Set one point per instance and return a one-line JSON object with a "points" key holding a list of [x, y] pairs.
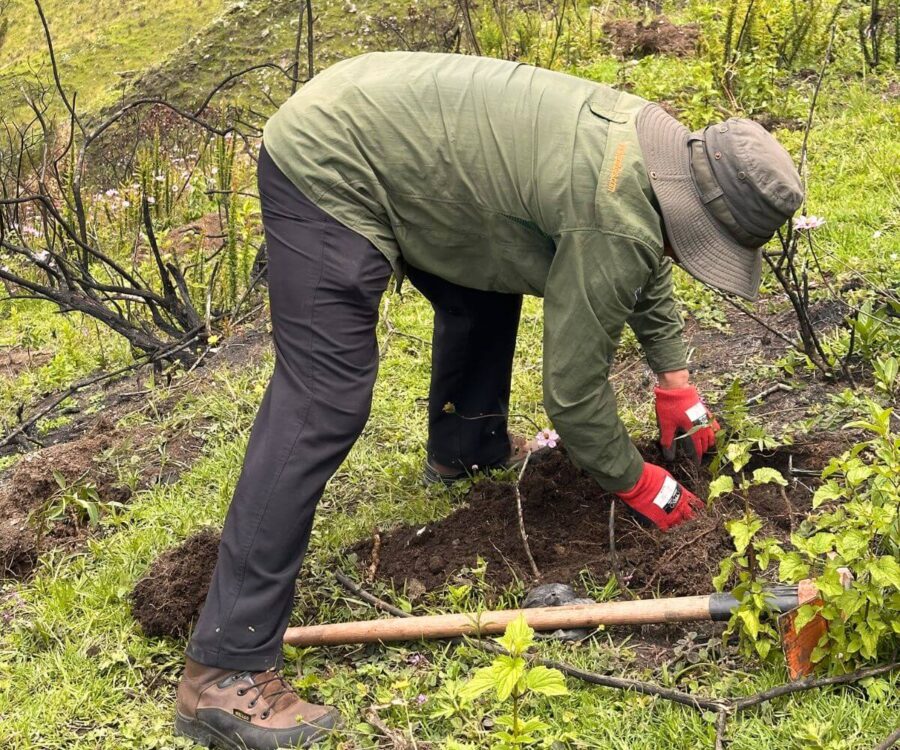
{"points": [[657, 323], [591, 291]]}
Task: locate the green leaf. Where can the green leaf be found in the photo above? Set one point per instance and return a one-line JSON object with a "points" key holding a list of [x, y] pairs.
{"points": [[532, 725], [546, 681], [805, 615], [509, 670], [751, 622], [852, 543], [726, 568], [829, 491], [738, 454], [483, 680], [885, 571], [820, 543], [720, 485], [767, 475], [792, 568], [743, 531], [60, 479], [858, 474], [518, 636]]}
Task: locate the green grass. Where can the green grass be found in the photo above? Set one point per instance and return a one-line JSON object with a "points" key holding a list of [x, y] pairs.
{"points": [[75, 672], [91, 680], [100, 44]]}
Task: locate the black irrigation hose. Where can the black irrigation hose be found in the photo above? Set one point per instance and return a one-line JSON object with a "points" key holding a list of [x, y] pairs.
{"points": [[722, 706]]}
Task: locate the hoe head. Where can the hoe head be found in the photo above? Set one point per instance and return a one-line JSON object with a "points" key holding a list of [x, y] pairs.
{"points": [[798, 644]]}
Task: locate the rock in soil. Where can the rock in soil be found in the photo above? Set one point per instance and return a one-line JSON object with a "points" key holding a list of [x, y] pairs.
{"points": [[167, 600], [566, 516]]}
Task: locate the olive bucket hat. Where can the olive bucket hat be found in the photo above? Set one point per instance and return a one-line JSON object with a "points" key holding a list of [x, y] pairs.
{"points": [[723, 191]]}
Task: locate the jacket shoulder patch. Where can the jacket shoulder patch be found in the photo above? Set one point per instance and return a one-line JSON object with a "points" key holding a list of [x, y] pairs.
{"points": [[618, 160]]}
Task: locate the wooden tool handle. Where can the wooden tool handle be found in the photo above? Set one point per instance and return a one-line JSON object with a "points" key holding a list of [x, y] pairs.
{"points": [[639, 612]]}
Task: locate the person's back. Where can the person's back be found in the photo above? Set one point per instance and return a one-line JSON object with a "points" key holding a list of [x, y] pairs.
{"points": [[457, 162]]}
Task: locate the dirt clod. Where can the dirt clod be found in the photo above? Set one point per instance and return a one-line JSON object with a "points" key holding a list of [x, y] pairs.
{"points": [[167, 600], [659, 36]]}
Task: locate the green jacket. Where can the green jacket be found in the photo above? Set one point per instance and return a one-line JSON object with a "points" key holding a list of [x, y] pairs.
{"points": [[501, 176]]}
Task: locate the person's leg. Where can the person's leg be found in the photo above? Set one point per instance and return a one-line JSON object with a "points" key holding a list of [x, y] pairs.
{"points": [[471, 367], [325, 283]]}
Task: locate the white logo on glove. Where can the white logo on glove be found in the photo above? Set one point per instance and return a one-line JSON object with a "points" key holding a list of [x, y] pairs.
{"points": [[668, 496], [697, 414]]}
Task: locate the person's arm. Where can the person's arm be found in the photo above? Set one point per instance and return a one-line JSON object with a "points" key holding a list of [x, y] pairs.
{"points": [[679, 408], [594, 282], [657, 324], [590, 293]]}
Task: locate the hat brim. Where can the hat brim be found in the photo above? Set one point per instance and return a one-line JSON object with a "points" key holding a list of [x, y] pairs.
{"points": [[700, 245]]}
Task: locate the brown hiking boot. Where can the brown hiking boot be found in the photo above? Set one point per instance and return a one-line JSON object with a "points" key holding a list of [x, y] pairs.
{"points": [[246, 710]]}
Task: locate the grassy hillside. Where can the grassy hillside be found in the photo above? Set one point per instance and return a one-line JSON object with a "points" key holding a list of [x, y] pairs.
{"points": [[101, 45]]}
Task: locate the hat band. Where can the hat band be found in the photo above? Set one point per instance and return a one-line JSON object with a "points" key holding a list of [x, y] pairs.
{"points": [[714, 198]]}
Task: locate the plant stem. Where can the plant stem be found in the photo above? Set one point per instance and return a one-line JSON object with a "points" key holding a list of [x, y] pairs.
{"points": [[522, 533]]}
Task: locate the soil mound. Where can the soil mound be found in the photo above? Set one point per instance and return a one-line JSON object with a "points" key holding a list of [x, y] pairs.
{"points": [[30, 485], [566, 516], [659, 36], [167, 600]]}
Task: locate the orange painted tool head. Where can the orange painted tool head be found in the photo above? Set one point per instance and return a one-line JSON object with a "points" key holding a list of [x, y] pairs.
{"points": [[797, 644]]}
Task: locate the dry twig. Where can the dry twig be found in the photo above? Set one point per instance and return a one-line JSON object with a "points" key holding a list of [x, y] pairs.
{"points": [[522, 532]]}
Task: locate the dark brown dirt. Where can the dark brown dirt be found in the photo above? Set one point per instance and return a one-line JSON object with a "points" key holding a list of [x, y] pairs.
{"points": [[30, 485], [659, 36], [566, 515], [75, 451], [167, 600]]}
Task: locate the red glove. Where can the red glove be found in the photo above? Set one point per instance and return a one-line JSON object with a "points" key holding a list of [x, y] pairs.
{"points": [[678, 411], [660, 498]]}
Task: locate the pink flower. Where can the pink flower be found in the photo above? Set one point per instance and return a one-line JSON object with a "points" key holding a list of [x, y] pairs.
{"points": [[547, 438], [808, 222]]}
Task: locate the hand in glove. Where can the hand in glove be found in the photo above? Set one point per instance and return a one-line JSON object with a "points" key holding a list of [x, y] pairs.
{"points": [[678, 411], [660, 498]]}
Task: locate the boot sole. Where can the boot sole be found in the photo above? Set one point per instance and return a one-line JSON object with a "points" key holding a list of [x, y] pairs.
{"points": [[202, 734], [206, 736]]}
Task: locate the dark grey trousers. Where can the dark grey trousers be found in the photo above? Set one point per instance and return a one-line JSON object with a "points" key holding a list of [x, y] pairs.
{"points": [[325, 285]]}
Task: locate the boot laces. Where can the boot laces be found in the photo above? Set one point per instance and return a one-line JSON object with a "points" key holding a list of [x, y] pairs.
{"points": [[274, 696]]}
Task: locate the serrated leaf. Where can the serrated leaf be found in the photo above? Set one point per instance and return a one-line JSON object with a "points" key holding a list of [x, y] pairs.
{"points": [[885, 571], [738, 454], [743, 531], [518, 636], [768, 475], [805, 615], [509, 670], [792, 568], [852, 543], [820, 543], [858, 474], [829, 491], [546, 681], [533, 725], [483, 680], [751, 622], [720, 485], [726, 568]]}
